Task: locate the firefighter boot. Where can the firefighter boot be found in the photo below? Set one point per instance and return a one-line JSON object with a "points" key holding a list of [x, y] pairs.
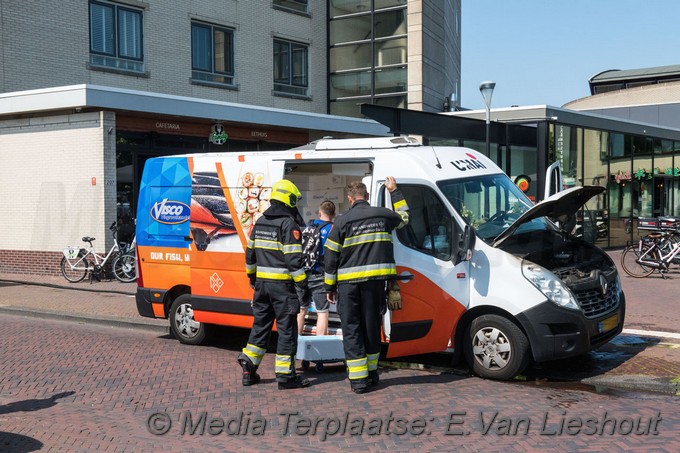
{"points": [[293, 382], [373, 378], [359, 385], [250, 375]]}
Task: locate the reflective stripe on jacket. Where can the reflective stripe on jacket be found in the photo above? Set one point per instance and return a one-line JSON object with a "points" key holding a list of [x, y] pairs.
{"points": [[359, 246], [274, 248]]}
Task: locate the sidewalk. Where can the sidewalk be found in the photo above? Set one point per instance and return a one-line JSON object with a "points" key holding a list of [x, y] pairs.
{"points": [[116, 308], [637, 360]]}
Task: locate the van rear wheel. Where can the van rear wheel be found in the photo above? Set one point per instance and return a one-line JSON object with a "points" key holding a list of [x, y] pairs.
{"points": [[495, 348], [182, 323]]}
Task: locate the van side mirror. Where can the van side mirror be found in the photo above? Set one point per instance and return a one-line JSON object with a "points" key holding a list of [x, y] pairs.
{"points": [[466, 244]]}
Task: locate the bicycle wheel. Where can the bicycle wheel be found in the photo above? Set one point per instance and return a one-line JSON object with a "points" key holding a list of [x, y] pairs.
{"points": [[629, 263], [77, 272], [125, 268]]}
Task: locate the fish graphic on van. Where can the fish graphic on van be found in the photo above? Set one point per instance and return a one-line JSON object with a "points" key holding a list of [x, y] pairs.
{"points": [[170, 212]]}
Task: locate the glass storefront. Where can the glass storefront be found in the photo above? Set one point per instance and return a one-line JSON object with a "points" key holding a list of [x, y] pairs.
{"points": [[639, 173], [641, 176]]}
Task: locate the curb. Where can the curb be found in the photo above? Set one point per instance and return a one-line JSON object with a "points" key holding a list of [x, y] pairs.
{"points": [[635, 382], [624, 382], [617, 382], [102, 321], [75, 288]]}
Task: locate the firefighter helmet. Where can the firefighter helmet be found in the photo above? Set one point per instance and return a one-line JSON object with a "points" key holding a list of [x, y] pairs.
{"points": [[286, 192]]}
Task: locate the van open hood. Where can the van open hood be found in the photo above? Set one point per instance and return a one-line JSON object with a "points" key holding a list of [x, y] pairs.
{"points": [[559, 206]]}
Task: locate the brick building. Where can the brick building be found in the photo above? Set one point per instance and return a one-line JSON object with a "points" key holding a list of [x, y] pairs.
{"points": [[90, 89]]}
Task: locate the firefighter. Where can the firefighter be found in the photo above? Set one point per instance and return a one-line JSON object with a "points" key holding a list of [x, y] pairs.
{"points": [[359, 258], [274, 268]]}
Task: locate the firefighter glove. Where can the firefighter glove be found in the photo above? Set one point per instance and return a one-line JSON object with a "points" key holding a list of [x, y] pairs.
{"points": [[393, 295]]}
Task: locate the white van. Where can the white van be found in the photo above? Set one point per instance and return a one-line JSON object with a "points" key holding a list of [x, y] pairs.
{"points": [[495, 276]]}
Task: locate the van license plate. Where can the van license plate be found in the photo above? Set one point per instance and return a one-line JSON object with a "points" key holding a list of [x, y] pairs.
{"points": [[608, 324]]}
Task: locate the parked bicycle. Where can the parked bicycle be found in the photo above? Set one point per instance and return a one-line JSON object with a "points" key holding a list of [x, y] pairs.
{"points": [[125, 264], [78, 261], [656, 251]]}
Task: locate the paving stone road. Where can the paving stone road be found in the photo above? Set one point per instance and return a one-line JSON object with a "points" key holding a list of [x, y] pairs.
{"points": [[66, 386]]}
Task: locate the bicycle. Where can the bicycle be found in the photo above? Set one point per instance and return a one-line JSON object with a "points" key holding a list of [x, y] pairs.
{"points": [[125, 264], [656, 251], [77, 261]]}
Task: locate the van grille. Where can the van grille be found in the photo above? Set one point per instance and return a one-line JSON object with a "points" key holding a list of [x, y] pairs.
{"points": [[594, 304]]}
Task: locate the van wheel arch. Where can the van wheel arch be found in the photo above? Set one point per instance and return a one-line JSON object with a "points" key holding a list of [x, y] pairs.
{"points": [[182, 323], [462, 335], [173, 294]]}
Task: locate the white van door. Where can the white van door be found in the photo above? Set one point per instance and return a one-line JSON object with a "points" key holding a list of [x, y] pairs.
{"points": [[553, 180], [438, 295]]}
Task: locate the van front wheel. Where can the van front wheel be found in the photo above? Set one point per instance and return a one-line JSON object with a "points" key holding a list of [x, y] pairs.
{"points": [[495, 348], [182, 323]]}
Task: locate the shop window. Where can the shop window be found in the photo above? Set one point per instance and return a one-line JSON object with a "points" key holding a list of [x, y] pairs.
{"points": [[291, 68], [212, 54], [116, 37], [567, 152], [429, 229]]}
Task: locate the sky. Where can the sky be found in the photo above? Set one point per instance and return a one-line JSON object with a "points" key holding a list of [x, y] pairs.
{"points": [[543, 52]]}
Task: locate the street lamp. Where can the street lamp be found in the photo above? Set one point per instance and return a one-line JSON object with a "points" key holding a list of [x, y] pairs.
{"points": [[486, 88]]}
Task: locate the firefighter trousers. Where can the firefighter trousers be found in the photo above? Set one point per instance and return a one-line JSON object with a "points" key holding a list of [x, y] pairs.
{"points": [[359, 307], [275, 301]]}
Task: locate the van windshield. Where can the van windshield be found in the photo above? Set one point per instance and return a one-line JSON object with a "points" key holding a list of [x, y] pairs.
{"points": [[489, 204]]}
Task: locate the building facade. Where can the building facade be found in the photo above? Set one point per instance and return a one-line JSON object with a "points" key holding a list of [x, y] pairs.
{"points": [[395, 53], [100, 86]]}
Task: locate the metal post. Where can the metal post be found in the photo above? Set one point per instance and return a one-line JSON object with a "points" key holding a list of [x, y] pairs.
{"points": [[486, 88]]}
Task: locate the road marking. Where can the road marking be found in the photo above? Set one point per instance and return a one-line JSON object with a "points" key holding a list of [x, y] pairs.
{"points": [[652, 333]]}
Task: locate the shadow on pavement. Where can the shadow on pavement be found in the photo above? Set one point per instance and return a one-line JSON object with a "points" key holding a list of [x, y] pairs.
{"points": [[18, 443], [33, 404], [600, 361]]}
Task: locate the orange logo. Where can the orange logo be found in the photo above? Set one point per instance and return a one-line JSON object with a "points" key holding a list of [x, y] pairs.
{"points": [[296, 234]]}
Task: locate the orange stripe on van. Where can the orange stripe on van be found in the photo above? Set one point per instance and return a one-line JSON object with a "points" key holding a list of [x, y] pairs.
{"points": [[230, 203], [241, 158], [298, 155]]}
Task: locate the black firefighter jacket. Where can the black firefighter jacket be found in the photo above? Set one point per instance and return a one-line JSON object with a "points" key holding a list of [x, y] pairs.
{"points": [[359, 246], [274, 249]]}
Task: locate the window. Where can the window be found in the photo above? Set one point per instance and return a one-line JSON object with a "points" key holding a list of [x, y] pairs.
{"points": [[294, 5], [116, 36], [368, 42], [212, 54], [489, 204], [430, 226], [290, 67]]}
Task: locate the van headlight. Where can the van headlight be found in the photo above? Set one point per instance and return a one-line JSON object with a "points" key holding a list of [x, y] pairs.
{"points": [[548, 283]]}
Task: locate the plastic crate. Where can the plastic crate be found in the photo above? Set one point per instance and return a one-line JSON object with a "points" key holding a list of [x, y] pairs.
{"points": [[320, 348], [658, 223], [669, 223], [648, 223]]}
